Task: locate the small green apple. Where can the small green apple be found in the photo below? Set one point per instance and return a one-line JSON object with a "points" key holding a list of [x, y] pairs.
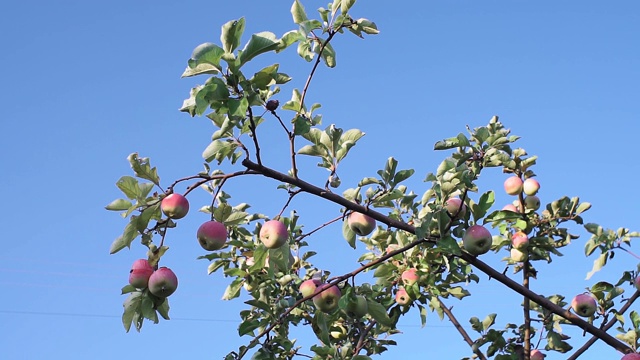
{"points": [[477, 240], [361, 224], [531, 186], [532, 203], [518, 255]]}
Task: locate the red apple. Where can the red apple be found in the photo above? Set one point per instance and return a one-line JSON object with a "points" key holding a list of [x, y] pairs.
{"points": [[327, 298], [477, 240], [163, 282], [537, 355], [510, 207], [361, 224], [274, 234], [584, 305], [140, 273], [402, 298], [520, 240], [455, 206], [212, 235], [175, 206], [531, 186], [308, 287], [513, 185], [409, 277], [633, 356], [636, 282]]}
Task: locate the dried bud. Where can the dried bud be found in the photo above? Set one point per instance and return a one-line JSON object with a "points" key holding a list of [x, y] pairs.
{"points": [[272, 105]]}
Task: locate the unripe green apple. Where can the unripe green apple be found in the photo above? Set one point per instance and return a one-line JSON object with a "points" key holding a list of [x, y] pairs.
{"points": [[274, 234], [477, 240], [327, 298], [633, 356], [338, 331], [359, 308], [513, 185], [361, 224], [532, 202], [163, 282], [456, 206], [519, 255], [402, 298], [584, 305], [175, 206], [409, 277], [510, 207], [531, 186], [536, 355], [520, 240], [212, 235], [140, 273], [308, 287]]}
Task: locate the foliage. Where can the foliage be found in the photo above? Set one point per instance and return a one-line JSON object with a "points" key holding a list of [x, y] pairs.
{"points": [[414, 231]]}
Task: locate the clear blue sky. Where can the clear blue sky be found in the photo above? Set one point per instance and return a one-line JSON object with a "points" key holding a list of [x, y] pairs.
{"points": [[84, 84]]}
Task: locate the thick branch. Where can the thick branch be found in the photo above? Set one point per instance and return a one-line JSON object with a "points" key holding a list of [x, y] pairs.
{"points": [[477, 263], [608, 326], [460, 329]]}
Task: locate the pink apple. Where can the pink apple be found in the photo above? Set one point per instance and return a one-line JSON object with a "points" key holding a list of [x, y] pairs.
{"points": [[531, 186], [409, 277], [510, 207], [455, 206], [513, 185], [519, 255], [274, 234], [532, 202], [140, 273], [327, 298], [520, 240], [163, 282], [402, 298], [537, 355], [308, 287], [584, 305], [175, 206], [361, 224], [477, 240], [633, 356], [636, 282], [212, 235]]}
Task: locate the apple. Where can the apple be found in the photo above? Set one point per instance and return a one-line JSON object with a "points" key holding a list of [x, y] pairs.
{"points": [[327, 298], [163, 282], [359, 308], [520, 240], [175, 206], [519, 255], [532, 202], [402, 298], [633, 356], [536, 355], [308, 287], [584, 305], [530, 186], [274, 234], [510, 207], [338, 331], [477, 240], [636, 282], [513, 185], [361, 224], [212, 235], [409, 277], [140, 273], [455, 206]]}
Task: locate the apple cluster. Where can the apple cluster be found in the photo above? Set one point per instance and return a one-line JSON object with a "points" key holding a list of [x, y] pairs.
{"points": [[161, 282], [326, 296]]}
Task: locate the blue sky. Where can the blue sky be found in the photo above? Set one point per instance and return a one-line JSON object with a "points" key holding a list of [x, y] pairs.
{"points": [[84, 84]]}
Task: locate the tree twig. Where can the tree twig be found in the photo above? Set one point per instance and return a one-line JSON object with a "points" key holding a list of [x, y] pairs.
{"points": [[447, 311]]}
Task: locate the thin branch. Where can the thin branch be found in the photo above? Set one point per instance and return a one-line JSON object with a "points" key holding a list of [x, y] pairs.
{"points": [[362, 336], [318, 228], [291, 195], [254, 135], [447, 311], [608, 326], [477, 263]]}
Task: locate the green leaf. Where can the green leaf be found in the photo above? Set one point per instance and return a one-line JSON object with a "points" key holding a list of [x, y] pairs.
{"points": [[247, 327], [348, 234], [321, 322], [259, 43], [125, 240], [233, 290], [238, 108], [379, 313], [142, 168], [205, 59], [119, 205], [218, 150], [448, 245], [131, 308], [301, 125], [297, 12], [345, 5], [583, 207], [329, 55], [231, 34], [367, 26], [163, 309], [451, 143], [598, 264], [129, 186], [147, 309], [313, 150], [288, 39]]}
